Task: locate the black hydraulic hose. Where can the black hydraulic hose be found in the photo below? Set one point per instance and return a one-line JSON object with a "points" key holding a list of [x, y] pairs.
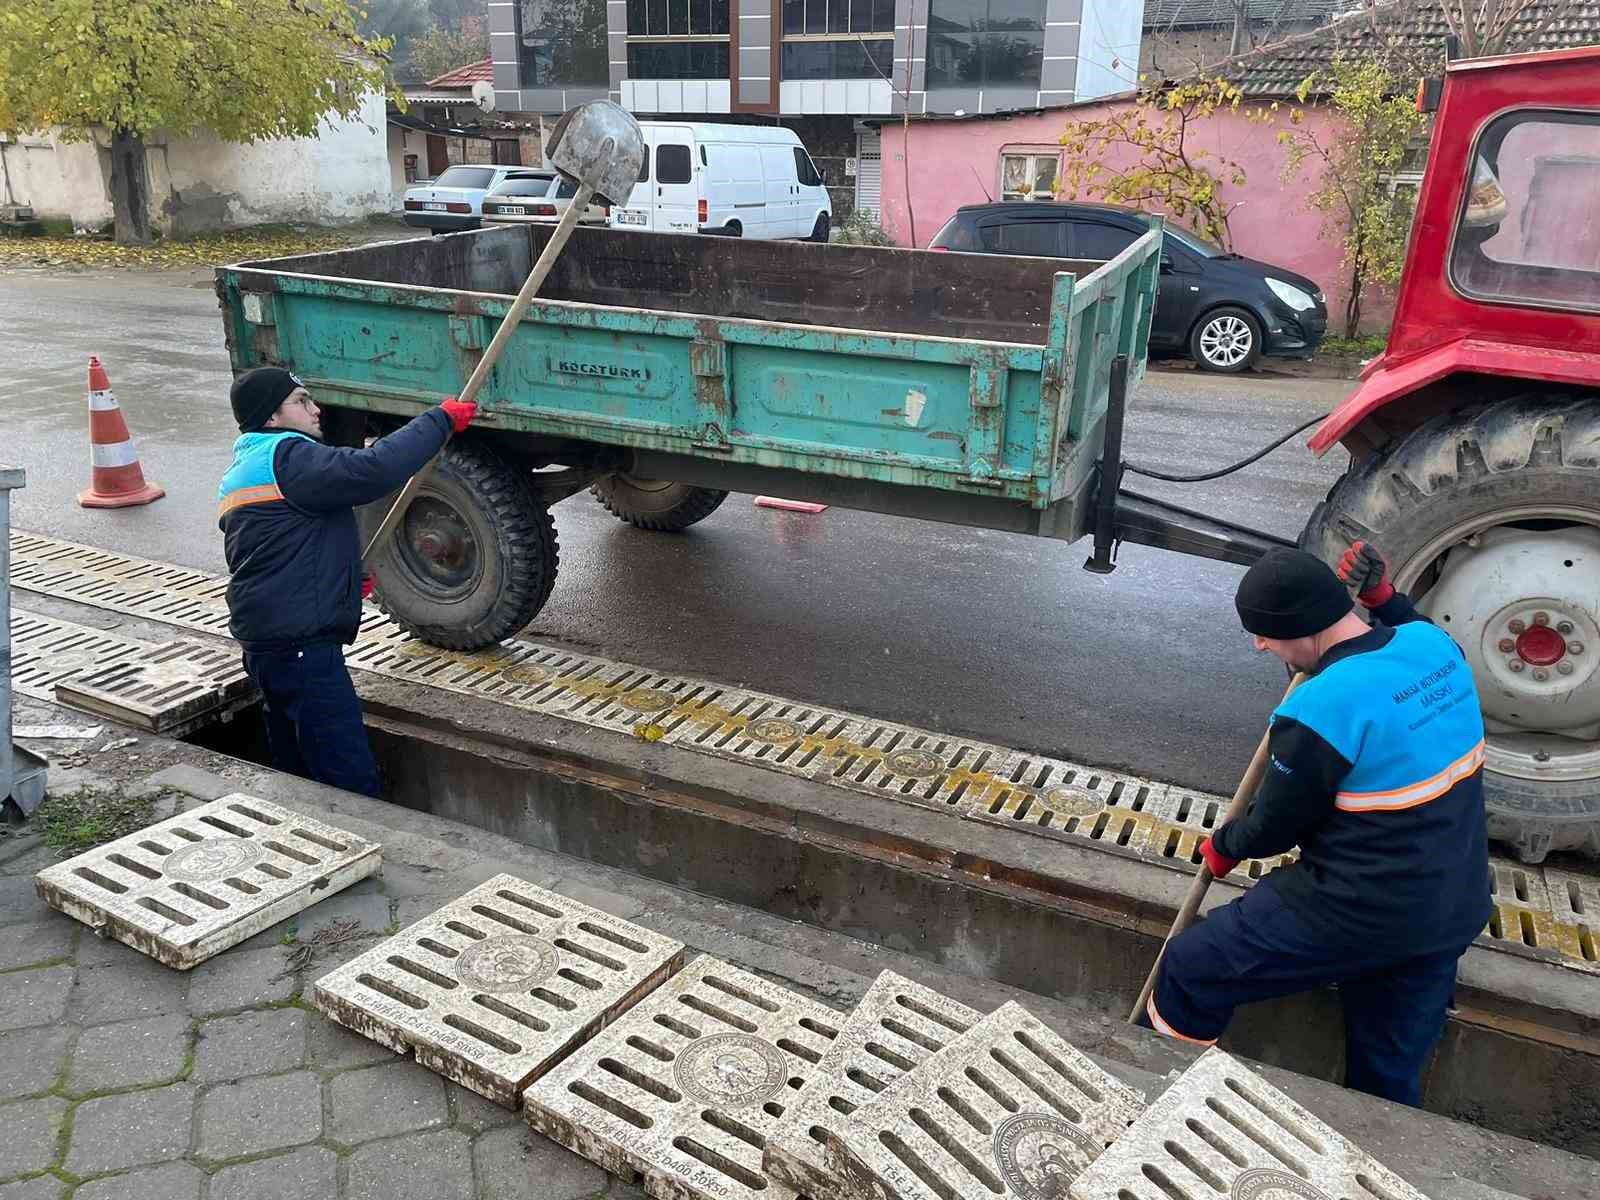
{"points": [[1148, 473]]}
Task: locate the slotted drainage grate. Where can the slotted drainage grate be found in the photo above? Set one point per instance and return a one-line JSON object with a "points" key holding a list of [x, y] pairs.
{"points": [[168, 689], [1123, 814], [45, 650], [1222, 1130], [497, 987], [687, 1087], [193, 885], [1007, 1109], [897, 1025]]}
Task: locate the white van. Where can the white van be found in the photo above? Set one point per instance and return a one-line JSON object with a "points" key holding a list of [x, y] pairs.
{"points": [[754, 181]]}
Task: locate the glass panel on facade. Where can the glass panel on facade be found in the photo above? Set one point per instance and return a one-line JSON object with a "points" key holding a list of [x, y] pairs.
{"points": [[678, 60], [562, 43], [838, 16], [985, 43], [852, 59], [676, 18]]}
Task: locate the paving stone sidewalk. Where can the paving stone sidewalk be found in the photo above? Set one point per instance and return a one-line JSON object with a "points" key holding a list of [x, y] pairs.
{"points": [[123, 1080]]}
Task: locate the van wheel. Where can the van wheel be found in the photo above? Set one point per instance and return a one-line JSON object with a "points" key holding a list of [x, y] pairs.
{"points": [[734, 229], [819, 231], [656, 503]]}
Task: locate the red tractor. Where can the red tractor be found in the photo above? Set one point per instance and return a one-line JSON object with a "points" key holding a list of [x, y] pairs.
{"points": [[1474, 440]]}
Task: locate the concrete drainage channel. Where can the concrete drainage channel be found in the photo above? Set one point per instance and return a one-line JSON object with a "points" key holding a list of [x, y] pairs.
{"points": [[1071, 908]]}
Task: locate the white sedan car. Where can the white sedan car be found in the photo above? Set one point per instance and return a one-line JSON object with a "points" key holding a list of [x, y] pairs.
{"points": [[536, 197], [455, 199]]}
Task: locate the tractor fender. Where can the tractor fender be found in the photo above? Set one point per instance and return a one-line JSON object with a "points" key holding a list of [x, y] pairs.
{"points": [[1386, 379]]}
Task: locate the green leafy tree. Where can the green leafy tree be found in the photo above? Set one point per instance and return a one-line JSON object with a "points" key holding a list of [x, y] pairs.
{"points": [[444, 47], [1357, 158], [1166, 172], [244, 69]]}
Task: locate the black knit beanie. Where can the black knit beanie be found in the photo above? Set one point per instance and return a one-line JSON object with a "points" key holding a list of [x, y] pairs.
{"points": [[257, 393], [1290, 594]]}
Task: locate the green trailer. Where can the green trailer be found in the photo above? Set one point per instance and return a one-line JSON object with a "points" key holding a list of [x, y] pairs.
{"points": [[662, 372]]}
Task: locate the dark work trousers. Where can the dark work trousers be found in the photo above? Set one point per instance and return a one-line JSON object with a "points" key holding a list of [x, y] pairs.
{"points": [[314, 725], [1257, 948]]}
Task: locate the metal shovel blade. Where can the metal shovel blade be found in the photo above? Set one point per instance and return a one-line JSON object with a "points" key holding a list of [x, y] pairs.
{"points": [[601, 145]]}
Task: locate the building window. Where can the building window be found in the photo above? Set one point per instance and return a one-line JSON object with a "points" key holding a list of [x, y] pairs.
{"points": [[562, 43], [851, 59], [678, 60], [985, 43], [838, 39], [678, 39], [1029, 176]]}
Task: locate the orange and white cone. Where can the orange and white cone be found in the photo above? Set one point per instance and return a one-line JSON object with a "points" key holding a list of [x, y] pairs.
{"points": [[115, 478]]}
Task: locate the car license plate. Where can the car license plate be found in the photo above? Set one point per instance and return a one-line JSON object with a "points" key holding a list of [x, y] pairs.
{"points": [[435, 207], [512, 210], [630, 218]]}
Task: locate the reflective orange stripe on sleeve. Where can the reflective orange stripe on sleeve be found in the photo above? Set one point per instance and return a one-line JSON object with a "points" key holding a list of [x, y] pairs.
{"points": [[265, 494], [1417, 793]]}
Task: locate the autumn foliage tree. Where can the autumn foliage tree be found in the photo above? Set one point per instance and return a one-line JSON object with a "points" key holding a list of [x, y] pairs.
{"points": [[1144, 155], [124, 69], [441, 48]]}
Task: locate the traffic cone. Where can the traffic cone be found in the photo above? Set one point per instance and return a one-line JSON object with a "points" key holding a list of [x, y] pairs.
{"points": [[115, 480]]}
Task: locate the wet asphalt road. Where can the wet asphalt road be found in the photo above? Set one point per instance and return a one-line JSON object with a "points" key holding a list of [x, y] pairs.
{"points": [[971, 632]]}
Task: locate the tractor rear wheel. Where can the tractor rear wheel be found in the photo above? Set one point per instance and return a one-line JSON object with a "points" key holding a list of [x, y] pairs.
{"points": [[1489, 517]]}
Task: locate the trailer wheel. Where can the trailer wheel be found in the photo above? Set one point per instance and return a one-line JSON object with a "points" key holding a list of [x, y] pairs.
{"points": [[1490, 520], [474, 557], [656, 503]]}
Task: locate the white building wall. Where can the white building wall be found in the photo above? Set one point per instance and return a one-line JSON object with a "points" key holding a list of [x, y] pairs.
{"points": [[202, 183], [1108, 48]]}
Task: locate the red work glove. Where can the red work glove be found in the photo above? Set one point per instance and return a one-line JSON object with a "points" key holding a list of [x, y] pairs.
{"points": [[460, 413], [367, 584], [1363, 569], [1219, 865]]}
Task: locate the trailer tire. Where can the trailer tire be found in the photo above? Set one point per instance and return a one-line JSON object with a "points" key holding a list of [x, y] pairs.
{"points": [[1527, 466], [475, 556], [656, 503]]}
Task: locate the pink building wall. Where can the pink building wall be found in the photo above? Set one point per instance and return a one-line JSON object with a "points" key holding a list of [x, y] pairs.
{"points": [[956, 162]]}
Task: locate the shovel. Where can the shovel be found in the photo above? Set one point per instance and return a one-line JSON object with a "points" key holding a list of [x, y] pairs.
{"points": [[1202, 882], [600, 147]]}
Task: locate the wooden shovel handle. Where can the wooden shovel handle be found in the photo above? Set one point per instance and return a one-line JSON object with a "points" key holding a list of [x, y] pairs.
{"points": [[1202, 881], [508, 326]]}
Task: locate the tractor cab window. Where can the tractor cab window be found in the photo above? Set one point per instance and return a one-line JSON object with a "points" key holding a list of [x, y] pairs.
{"points": [[1529, 230]]}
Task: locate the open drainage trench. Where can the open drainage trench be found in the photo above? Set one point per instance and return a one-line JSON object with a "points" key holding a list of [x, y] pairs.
{"points": [[1511, 1068]]}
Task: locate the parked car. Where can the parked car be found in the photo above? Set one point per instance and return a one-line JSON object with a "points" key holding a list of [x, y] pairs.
{"points": [[536, 197], [1222, 309], [754, 181], [454, 200]]}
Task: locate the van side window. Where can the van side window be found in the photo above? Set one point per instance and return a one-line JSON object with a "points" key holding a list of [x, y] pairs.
{"points": [[673, 164], [805, 170]]}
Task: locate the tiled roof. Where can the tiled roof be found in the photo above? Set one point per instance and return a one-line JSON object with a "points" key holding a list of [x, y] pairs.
{"points": [[1415, 27], [1169, 14], [465, 77]]}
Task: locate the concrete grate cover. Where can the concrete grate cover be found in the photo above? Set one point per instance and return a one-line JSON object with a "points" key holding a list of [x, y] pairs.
{"points": [[897, 1026], [189, 887], [688, 1086], [1007, 1109], [45, 650], [497, 987], [166, 689], [1222, 1130]]}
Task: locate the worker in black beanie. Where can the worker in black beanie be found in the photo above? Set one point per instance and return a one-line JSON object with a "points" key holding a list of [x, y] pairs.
{"points": [[1376, 777], [286, 507]]}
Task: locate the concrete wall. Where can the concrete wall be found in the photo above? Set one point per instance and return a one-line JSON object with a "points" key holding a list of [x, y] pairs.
{"points": [[202, 183], [401, 143], [954, 162]]}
